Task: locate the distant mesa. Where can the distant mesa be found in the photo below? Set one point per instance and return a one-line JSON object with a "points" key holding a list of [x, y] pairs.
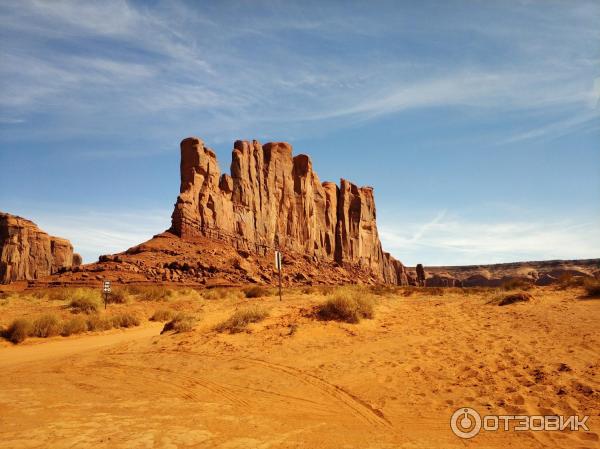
{"points": [[274, 198], [28, 253], [225, 229]]}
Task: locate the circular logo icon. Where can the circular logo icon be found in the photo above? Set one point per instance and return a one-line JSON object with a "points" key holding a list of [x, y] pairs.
{"points": [[465, 423]]}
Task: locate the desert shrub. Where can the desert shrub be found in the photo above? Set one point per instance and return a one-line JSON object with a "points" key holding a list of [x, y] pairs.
{"points": [[384, 290], [434, 291], [18, 330], [162, 315], [151, 292], [255, 292], [83, 305], [47, 325], [592, 287], [75, 325], [188, 293], [241, 318], [516, 284], [221, 293], [99, 323], [180, 323], [125, 320], [308, 290], [118, 296], [504, 299], [347, 305]]}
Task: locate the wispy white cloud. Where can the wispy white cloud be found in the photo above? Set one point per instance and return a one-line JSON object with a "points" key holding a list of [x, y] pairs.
{"points": [[459, 241], [96, 232], [126, 60]]}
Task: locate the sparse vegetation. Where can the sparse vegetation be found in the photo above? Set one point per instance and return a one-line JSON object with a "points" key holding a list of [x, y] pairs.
{"points": [[241, 318], [256, 292], [150, 292], [118, 296], [592, 287], [84, 300], [517, 284], [99, 323], [348, 305], [125, 320], [75, 325], [221, 293], [45, 326], [384, 290], [511, 298], [162, 315], [18, 330], [180, 323]]}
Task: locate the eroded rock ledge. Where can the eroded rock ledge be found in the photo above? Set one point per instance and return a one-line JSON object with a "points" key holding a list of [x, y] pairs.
{"points": [[272, 195], [28, 253]]}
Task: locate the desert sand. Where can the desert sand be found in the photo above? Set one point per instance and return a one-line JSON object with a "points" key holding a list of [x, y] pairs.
{"points": [[294, 381]]}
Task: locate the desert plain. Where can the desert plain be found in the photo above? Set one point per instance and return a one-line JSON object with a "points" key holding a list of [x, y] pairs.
{"points": [[294, 379]]}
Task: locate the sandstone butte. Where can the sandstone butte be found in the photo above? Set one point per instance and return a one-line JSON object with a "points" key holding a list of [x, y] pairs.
{"points": [[274, 199], [27, 252]]}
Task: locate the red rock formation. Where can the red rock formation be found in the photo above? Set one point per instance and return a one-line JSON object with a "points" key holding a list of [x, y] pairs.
{"points": [[27, 253], [271, 193]]}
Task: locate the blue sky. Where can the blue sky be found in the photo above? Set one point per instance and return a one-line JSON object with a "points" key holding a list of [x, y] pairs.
{"points": [[477, 122]]}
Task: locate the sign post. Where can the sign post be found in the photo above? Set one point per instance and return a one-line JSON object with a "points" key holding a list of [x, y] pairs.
{"points": [[278, 266], [106, 290], [278, 262]]}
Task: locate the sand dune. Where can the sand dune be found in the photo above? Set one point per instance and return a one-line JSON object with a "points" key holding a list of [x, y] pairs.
{"points": [[293, 381]]}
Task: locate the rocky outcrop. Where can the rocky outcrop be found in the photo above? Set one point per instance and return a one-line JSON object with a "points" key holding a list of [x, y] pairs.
{"points": [[28, 253], [534, 272], [273, 198]]}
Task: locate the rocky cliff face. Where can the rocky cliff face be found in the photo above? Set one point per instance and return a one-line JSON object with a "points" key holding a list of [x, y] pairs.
{"points": [[273, 198], [27, 253]]}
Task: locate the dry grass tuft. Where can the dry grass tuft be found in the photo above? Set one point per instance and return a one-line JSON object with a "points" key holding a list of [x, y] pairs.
{"points": [[241, 318], [517, 284], [162, 315], [18, 330], [221, 293], [180, 323], [348, 305], [118, 295], [150, 292], [45, 326], [99, 323], [256, 292], [592, 288], [75, 325], [84, 300], [511, 298], [125, 319], [384, 290]]}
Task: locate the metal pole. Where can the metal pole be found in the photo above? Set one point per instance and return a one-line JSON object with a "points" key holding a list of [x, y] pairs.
{"points": [[279, 265]]}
